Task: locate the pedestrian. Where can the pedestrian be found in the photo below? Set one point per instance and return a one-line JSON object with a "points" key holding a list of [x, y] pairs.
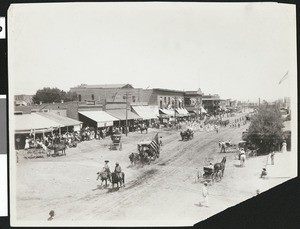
{"points": [[160, 141], [27, 143], [272, 157], [52, 214], [283, 149], [263, 173], [205, 195]]}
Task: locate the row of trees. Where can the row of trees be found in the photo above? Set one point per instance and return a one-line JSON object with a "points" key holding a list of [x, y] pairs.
{"points": [[265, 130], [50, 95]]}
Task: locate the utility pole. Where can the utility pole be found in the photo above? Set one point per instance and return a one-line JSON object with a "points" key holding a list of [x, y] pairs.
{"points": [[198, 109], [126, 112], [175, 108], [126, 127]]}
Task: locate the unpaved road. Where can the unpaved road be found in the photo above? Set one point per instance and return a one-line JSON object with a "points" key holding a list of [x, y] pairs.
{"points": [[162, 193]]}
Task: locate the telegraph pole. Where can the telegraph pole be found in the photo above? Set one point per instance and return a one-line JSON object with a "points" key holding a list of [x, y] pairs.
{"points": [[126, 113], [175, 108]]}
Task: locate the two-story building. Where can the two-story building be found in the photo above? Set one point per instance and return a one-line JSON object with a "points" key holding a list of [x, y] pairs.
{"points": [[193, 102], [211, 103]]}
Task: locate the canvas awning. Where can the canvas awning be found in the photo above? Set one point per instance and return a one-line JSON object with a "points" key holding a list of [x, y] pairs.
{"points": [[144, 112], [120, 114], [26, 122], [101, 117], [64, 121], [182, 112], [169, 112]]}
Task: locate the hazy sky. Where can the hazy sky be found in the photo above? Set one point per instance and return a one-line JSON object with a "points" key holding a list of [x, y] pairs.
{"points": [[239, 51]]}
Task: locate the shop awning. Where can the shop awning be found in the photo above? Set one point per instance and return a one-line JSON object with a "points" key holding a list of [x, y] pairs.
{"points": [[120, 114], [182, 111], [169, 112], [26, 122], [144, 112], [64, 121], [101, 117]]}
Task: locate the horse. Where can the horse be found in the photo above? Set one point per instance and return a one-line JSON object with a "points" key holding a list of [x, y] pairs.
{"points": [[242, 159], [59, 147], [145, 158], [219, 168], [134, 158], [142, 128], [104, 176], [115, 179], [188, 134]]}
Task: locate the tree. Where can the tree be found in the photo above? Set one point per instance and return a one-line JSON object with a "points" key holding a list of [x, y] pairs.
{"points": [[50, 95], [265, 130]]}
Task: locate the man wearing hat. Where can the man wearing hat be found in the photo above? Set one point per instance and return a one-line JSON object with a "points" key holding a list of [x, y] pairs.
{"points": [[106, 168], [205, 194], [118, 170]]}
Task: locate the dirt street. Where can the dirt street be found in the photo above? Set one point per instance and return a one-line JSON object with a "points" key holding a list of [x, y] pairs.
{"points": [[162, 193]]}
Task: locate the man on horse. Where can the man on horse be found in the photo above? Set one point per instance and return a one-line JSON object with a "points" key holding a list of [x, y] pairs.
{"points": [[118, 170], [107, 169]]}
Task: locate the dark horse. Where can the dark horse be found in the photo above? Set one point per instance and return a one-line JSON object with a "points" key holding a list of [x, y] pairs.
{"points": [[142, 128], [103, 176], [115, 179], [188, 134], [134, 158], [59, 147], [219, 168]]}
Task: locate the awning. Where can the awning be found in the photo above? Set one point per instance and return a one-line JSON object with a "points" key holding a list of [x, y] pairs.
{"points": [[169, 112], [64, 121], [182, 112], [101, 117], [202, 110], [120, 114], [144, 112], [26, 122]]}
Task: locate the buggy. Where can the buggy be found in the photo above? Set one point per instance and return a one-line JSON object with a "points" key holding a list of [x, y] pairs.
{"points": [[116, 142], [208, 174]]}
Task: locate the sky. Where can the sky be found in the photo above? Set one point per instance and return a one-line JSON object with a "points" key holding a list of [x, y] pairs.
{"points": [[237, 50]]}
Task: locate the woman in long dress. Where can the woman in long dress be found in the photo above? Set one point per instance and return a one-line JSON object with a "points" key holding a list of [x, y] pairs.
{"points": [[283, 149], [27, 143]]}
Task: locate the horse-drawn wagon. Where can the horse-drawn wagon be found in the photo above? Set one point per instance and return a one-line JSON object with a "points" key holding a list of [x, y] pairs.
{"points": [[146, 153], [187, 134], [116, 142]]}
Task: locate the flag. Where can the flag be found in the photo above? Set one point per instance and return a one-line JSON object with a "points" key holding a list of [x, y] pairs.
{"points": [[284, 77], [154, 144]]}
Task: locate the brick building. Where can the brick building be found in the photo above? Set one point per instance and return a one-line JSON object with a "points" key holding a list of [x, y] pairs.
{"points": [[105, 93], [211, 103], [66, 109], [193, 102]]}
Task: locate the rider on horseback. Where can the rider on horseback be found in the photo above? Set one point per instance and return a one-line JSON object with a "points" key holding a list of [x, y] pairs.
{"points": [[106, 169], [118, 170]]}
